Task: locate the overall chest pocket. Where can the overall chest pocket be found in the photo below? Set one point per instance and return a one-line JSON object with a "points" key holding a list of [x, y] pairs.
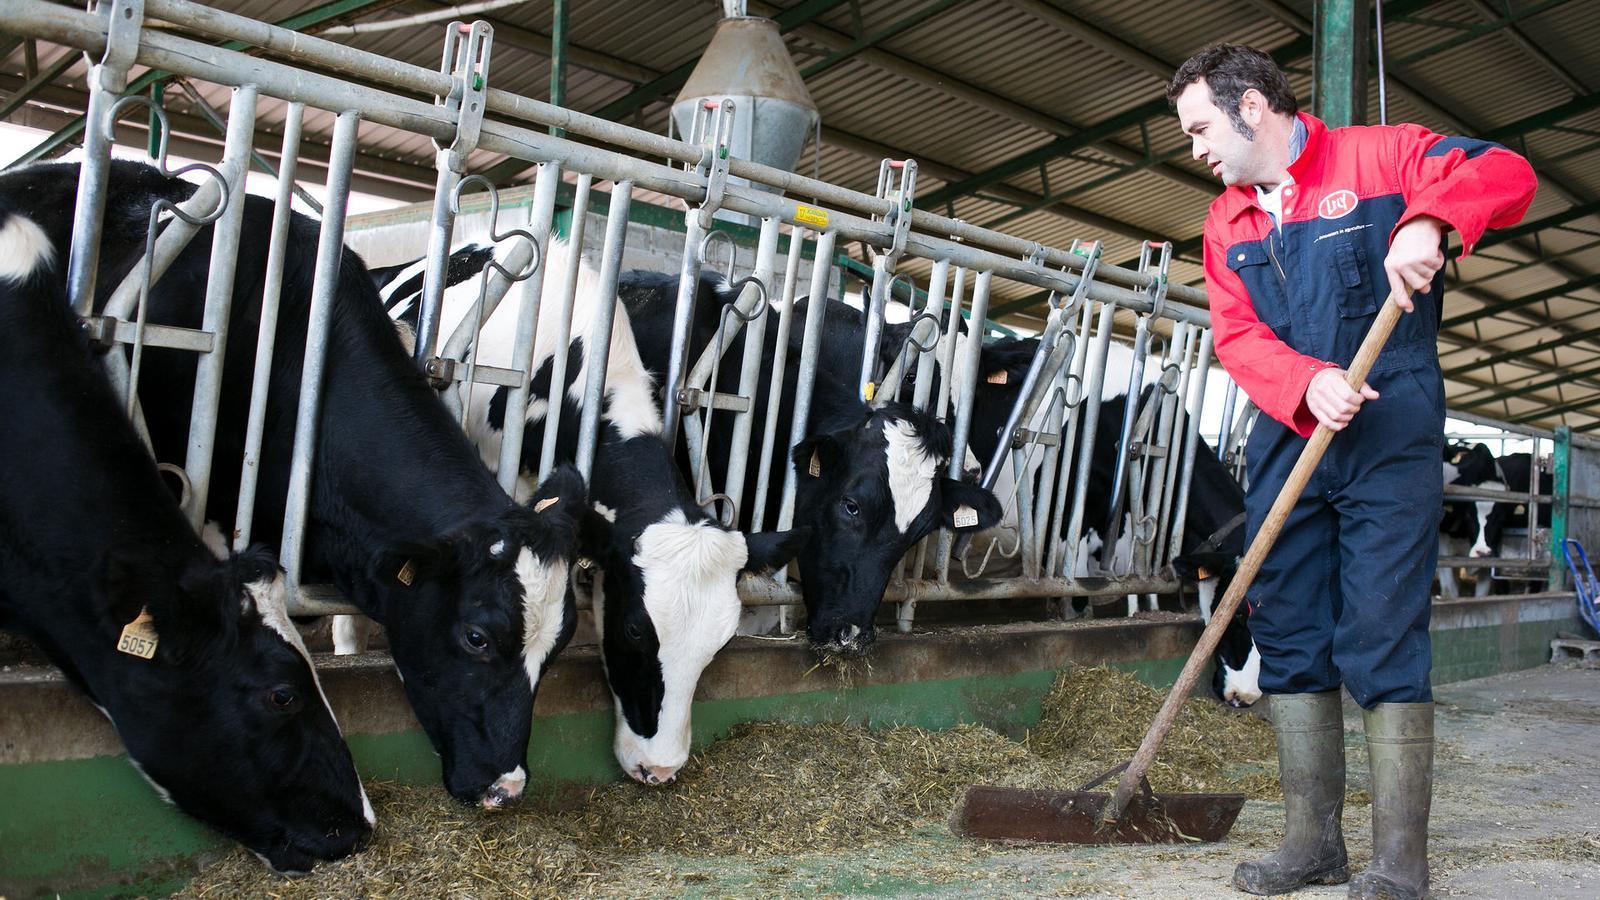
{"points": [[1353, 283], [1255, 267]]}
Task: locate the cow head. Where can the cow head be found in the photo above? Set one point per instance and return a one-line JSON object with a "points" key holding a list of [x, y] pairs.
{"points": [[1469, 465], [226, 719], [868, 493], [665, 601], [1236, 680], [473, 621]]}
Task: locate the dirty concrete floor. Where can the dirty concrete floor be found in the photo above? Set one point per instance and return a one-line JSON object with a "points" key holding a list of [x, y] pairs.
{"points": [[1516, 814]]}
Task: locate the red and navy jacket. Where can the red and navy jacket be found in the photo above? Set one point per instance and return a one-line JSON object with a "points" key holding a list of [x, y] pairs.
{"points": [[1283, 303]]}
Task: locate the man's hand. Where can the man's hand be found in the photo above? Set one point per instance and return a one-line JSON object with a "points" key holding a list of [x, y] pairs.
{"points": [[1331, 400], [1414, 258]]}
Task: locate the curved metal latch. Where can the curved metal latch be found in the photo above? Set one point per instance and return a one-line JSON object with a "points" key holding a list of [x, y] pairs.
{"points": [[713, 120], [1157, 289], [124, 19], [466, 61], [899, 195]]}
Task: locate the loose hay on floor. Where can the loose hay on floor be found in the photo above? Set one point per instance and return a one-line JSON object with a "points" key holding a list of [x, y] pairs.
{"points": [[767, 790], [1095, 717]]}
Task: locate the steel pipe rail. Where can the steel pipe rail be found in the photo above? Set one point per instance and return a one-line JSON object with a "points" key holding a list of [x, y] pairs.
{"points": [[37, 18]]}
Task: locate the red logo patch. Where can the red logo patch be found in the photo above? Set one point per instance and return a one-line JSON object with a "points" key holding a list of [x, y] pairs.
{"points": [[1337, 204]]}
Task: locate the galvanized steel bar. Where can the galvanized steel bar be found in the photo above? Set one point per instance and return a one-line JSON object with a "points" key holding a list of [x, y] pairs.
{"points": [[1074, 385], [219, 299], [561, 346], [776, 370], [750, 368], [598, 340], [1191, 447], [267, 330], [119, 25], [541, 216], [1091, 423], [324, 288], [1130, 409], [810, 347], [694, 234], [873, 309]]}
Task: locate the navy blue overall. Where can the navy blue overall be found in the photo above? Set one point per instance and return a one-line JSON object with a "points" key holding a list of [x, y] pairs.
{"points": [[1344, 596]]}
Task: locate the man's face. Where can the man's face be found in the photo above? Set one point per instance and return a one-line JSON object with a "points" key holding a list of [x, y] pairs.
{"points": [[1215, 141]]}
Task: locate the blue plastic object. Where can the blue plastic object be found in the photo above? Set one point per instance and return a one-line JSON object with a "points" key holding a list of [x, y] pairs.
{"points": [[1586, 585]]}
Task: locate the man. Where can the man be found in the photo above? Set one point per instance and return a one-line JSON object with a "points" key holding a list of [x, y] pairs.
{"points": [[1315, 229]]}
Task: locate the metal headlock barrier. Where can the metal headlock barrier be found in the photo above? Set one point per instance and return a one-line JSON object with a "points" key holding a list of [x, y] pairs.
{"points": [[1047, 444]]}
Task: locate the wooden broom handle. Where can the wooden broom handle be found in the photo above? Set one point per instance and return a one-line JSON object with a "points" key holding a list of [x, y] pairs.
{"points": [[1248, 569]]}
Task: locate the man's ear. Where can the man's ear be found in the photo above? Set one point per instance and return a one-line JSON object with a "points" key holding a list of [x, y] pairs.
{"points": [[817, 456], [967, 507], [768, 550]]}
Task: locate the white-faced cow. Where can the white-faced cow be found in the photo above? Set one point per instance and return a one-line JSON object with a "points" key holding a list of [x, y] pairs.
{"points": [[403, 518], [665, 588], [191, 658], [1516, 470], [870, 482]]}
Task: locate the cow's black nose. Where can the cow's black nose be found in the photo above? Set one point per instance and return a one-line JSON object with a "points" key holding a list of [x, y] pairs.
{"points": [[847, 634]]}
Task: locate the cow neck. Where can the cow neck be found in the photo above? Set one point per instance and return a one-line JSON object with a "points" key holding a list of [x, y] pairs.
{"points": [[415, 477]]}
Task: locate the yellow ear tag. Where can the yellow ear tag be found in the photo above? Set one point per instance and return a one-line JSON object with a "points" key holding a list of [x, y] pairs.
{"points": [[816, 464], [965, 517], [870, 390], [1202, 573], [1521, 510], [545, 504], [407, 573], [997, 377], [139, 637]]}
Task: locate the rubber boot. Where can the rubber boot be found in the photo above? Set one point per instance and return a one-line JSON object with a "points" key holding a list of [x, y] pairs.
{"points": [[1310, 730], [1400, 748]]}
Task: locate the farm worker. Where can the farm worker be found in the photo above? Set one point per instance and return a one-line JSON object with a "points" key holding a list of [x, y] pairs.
{"points": [[1314, 229]]}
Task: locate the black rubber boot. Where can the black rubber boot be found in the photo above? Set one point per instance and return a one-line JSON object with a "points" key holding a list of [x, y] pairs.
{"points": [[1310, 730], [1400, 748]]}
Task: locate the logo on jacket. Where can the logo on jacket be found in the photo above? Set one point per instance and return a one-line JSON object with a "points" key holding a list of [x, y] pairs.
{"points": [[1337, 204]]}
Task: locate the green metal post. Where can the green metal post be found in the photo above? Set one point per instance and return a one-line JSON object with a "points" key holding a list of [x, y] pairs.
{"points": [[558, 59], [1339, 61], [1561, 491], [158, 93]]}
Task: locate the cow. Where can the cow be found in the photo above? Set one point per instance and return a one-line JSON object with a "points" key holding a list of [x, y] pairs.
{"points": [[870, 480], [1463, 522], [665, 588], [1516, 471], [191, 658], [1213, 539], [403, 518]]}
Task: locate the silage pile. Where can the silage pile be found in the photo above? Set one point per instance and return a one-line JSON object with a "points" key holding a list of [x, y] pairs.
{"points": [[768, 789]]}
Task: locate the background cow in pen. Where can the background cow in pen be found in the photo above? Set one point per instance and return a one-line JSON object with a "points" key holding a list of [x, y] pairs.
{"points": [[1463, 522], [403, 518], [665, 588], [191, 658], [870, 480]]}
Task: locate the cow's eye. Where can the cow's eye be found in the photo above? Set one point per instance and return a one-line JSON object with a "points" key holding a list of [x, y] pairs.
{"points": [[633, 632], [474, 639], [282, 697], [850, 507]]}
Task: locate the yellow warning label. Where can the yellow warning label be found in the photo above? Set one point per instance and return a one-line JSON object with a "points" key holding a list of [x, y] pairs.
{"points": [[810, 215]]}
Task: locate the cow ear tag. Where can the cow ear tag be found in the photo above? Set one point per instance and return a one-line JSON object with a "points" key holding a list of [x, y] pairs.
{"points": [[407, 573], [545, 504], [1202, 573], [965, 516], [816, 464], [139, 637], [997, 377]]}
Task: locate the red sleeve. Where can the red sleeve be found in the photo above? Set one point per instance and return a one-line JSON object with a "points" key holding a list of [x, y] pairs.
{"points": [[1271, 372], [1470, 184]]}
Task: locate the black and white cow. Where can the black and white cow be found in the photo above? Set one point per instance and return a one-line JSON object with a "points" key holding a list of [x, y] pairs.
{"points": [[870, 481], [1516, 470], [665, 588], [1213, 540], [1463, 523], [403, 518], [219, 706]]}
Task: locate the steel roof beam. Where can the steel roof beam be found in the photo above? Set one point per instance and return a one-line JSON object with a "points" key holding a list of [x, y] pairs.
{"points": [[1494, 309], [1504, 235], [1503, 393], [531, 41], [26, 92], [1530, 49], [1094, 36], [983, 98], [1592, 400]]}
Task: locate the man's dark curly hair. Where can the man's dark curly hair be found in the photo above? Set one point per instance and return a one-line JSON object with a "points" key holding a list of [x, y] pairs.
{"points": [[1229, 70]]}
